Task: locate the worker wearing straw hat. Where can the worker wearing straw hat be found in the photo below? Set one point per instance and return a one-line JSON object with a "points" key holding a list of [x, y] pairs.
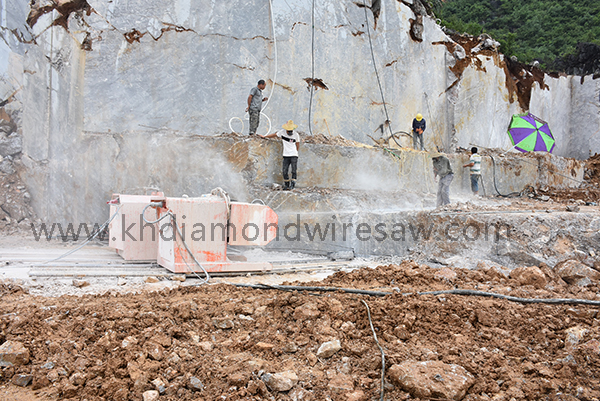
{"points": [[291, 144]]}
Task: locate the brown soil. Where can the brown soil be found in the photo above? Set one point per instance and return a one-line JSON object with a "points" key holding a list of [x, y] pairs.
{"points": [[112, 346]]}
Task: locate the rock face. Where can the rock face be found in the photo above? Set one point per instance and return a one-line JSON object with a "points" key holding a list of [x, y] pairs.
{"points": [[13, 353], [127, 90], [576, 273], [432, 379]]}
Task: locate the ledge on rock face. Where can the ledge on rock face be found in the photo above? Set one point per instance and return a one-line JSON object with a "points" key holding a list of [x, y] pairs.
{"points": [[432, 379]]}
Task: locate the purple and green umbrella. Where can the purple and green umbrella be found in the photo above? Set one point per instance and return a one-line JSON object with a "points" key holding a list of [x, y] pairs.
{"points": [[529, 133]]}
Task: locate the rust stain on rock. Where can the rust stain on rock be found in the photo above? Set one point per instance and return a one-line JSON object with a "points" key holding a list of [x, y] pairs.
{"points": [[316, 82], [64, 8], [519, 77]]}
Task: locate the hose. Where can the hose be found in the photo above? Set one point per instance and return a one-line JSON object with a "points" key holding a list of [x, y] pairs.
{"points": [[568, 301], [84, 243], [380, 349], [375, 67], [510, 195], [272, 87]]}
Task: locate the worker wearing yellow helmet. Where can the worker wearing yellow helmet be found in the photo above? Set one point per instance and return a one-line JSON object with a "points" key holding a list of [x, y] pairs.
{"points": [[417, 134]]}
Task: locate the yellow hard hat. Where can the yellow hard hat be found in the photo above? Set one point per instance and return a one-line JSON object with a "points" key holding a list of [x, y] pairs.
{"points": [[419, 117]]}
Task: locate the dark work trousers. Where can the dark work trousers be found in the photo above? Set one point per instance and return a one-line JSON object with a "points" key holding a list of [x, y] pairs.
{"points": [[287, 161]]}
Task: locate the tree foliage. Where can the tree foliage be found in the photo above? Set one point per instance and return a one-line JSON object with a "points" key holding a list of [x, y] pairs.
{"points": [[528, 29]]}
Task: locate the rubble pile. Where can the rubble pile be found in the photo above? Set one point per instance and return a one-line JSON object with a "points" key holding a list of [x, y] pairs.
{"points": [[223, 342], [15, 212]]}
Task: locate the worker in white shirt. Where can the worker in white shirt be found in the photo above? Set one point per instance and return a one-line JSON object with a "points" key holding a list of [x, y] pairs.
{"points": [[291, 144]]}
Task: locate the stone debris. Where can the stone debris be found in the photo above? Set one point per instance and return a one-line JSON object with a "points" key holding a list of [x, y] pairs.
{"points": [[576, 273], [13, 353], [574, 335], [529, 276], [432, 379], [329, 348], [150, 395], [152, 280], [80, 283], [223, 323], [195, 384], [261, 346], [283, 381], [22, 380], [341, 383]]}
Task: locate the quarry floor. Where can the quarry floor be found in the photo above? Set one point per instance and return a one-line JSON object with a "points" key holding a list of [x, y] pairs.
{"points": [[107, 331]]}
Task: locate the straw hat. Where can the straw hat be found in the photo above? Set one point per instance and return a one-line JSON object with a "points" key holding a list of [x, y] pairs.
{"points": [[435, 155], [289, 126]]}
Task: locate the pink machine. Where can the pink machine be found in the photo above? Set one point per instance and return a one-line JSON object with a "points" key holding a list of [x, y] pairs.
{"points": [[204, 227]]}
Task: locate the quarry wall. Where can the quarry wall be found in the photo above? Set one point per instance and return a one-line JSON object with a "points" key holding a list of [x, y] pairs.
{"points": [[118, 96]]}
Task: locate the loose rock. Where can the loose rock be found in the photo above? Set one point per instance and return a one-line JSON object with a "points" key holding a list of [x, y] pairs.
{"points": [[13, 353], [329, 348], [432, 379], [22, 380], [576, 273], [150, 395], [283, 381], [531, 275]]}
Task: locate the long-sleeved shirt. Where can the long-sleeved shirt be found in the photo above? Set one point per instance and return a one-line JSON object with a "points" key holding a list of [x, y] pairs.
{"points": [[441, 166], [419, 124]]}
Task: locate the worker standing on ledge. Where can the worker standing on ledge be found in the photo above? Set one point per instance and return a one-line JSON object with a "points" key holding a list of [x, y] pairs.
{"points": [[255, 100], [475, 164], [418, 127], [441, 167], [291, 144]]}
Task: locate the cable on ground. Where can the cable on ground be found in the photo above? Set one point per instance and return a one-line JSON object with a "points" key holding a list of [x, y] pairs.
{"points": [[380, 349], [568, 301], [84, 243]]}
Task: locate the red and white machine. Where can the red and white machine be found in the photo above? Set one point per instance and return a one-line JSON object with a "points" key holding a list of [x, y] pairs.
{"points": [[133, 239], [204, 227]]}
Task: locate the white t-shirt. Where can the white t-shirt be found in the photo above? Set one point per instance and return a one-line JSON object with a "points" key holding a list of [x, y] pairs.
{"points": [[289, 142]]}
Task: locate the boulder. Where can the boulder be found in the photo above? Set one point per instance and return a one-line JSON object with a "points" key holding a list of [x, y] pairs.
{"points": [[576, 273], [11, 145], [13, 353], [22, 380], [432, 379], [329, 348], [283, 381]]}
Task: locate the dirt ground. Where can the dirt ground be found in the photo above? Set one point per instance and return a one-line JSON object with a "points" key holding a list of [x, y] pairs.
{"points": [[215, 342]]}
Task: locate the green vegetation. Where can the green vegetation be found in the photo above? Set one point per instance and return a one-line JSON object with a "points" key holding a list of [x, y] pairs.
{"points": [[529, 29]]}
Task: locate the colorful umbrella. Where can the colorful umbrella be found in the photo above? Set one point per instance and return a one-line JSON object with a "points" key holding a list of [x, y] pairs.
{"points": [[529, 133]]}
